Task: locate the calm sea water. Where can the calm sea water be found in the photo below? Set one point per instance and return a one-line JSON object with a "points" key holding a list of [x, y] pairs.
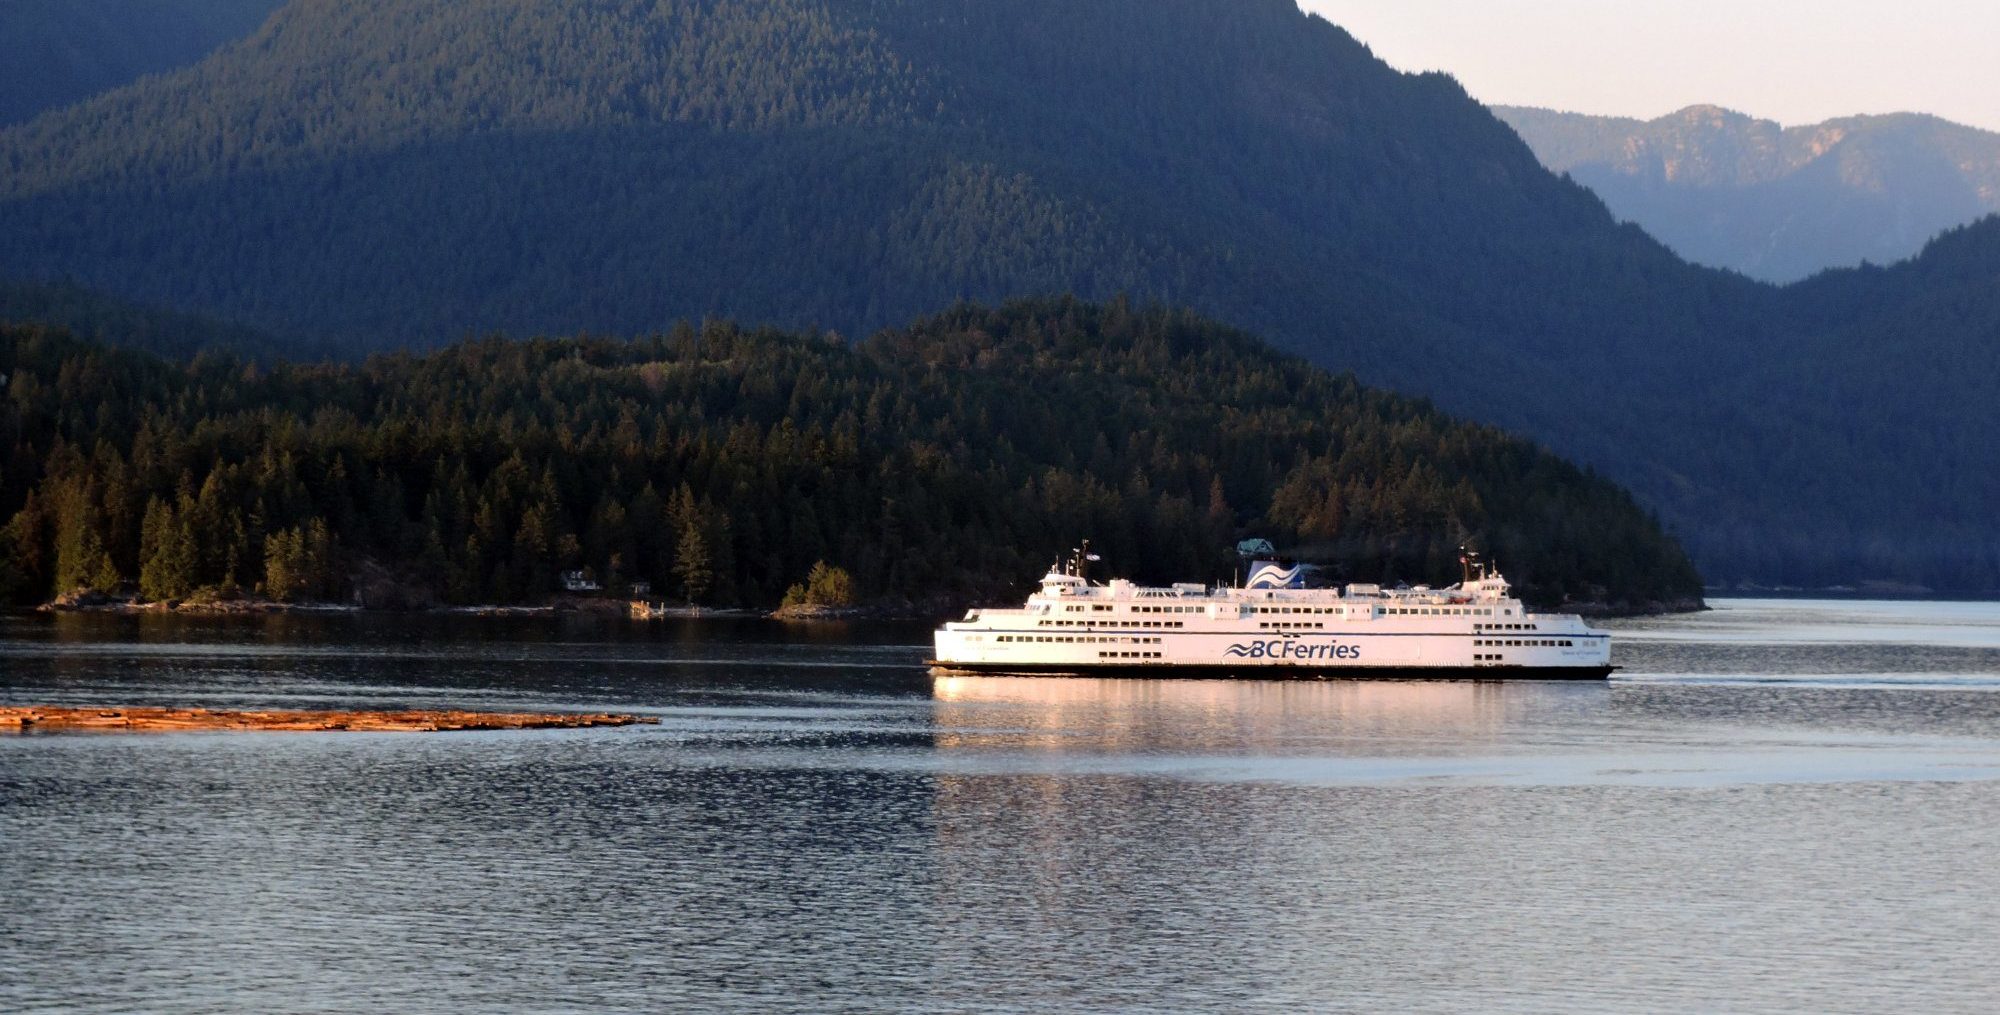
{"points": [[1777, 806]]}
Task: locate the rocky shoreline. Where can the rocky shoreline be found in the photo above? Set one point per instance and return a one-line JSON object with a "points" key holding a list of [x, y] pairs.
{"points": [[1645, 609], [88, 601], [165, 720], [931, 610]]}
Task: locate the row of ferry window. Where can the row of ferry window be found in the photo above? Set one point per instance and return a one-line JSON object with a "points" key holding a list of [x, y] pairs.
{"points": [[1078, 639], [1506, 627], [1425, 611], [1128, 655], [1289, 624], [1092, 623], [1542, 642], [1104, 608]]}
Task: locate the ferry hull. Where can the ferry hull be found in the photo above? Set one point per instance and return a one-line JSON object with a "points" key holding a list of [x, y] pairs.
{"points": [[1191, 671]]}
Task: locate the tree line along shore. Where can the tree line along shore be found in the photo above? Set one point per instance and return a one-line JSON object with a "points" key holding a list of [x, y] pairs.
{"points": [[721, 466]]}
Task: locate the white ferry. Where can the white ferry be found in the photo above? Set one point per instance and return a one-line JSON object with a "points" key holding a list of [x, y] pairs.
{"points": [[1273, 627]]}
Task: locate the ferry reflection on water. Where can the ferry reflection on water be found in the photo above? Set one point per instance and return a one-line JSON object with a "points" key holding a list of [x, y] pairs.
{"points": [[1089, 716]]}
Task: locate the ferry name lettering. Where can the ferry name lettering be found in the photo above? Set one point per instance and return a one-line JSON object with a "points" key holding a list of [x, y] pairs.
{"points": [[1278, 648]]}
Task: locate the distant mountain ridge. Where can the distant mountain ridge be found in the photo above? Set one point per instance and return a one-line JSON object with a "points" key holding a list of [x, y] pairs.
{"points": [[394, 172], [55, 52], [1776, 203]]}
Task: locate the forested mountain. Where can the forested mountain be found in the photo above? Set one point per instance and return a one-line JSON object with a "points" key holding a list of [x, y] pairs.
{"points": [[55, 52], [391, 172], [1776, 203], [174, 334], [955, 457]]}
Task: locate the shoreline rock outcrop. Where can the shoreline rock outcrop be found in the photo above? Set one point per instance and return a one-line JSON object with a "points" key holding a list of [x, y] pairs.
{"points": [[162, 719]]}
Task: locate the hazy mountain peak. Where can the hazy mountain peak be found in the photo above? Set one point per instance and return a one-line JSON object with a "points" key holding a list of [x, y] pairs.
{"points": [[1779, 203], [1711, 115]]}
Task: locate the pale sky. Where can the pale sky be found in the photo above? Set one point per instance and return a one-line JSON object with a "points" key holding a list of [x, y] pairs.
{"points": [[1794, 61]]}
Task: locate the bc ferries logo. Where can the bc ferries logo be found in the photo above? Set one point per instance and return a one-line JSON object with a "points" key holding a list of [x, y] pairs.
{"points": [[1277, 648]]}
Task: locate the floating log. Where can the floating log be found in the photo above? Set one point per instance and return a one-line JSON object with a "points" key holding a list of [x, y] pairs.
{"points": [[38, 717]]}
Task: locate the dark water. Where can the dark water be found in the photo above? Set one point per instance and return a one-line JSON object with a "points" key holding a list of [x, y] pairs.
{"points": [[1778, 806]]}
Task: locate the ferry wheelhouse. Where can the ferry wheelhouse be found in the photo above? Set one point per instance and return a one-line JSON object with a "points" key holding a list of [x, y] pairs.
{"points": [[1273, 627]]}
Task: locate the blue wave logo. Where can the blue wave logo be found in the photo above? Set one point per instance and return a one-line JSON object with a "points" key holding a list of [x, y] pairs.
{"points": [[1237, 650]]}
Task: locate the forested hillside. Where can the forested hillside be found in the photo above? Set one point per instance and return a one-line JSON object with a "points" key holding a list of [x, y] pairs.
{"points": [[409, 172], [957, 457], [174, 334], [1776, 203], [55, 52]]}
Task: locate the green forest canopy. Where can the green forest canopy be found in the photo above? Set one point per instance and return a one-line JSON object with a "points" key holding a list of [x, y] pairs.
{"points": [[949, 460]]}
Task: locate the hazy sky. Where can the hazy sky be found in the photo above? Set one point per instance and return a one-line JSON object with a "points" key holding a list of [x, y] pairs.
{"points": [[1794, 61]]}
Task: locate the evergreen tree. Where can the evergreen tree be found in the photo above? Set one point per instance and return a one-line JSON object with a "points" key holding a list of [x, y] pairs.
{"points": [[167, 554], [692, 564], [285, 566], [316, 547], [81, 561], [829, 586], [15, 583]]}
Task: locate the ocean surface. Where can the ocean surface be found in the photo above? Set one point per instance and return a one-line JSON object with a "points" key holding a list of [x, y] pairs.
{"points": [[1775, 806]]}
